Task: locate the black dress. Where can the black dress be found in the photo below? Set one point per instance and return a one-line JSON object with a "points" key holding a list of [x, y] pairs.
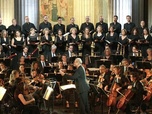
{"points": [[75, 42], [5, 43], [112, 39], [19, 45], [99, 43], [46, 48], [32, 46], [86, 45], [61, 45]]}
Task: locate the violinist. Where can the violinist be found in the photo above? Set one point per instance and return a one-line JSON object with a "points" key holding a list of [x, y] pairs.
{"points": [[149, 55], [22, 72], [4, 70], [2, 53], [138, 90]]}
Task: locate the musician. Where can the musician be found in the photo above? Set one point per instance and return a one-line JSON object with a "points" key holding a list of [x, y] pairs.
{"points": [[138, 91], [4, 70], [134, 51], [81, 85], [116, 25], [13, 28], [2, 27], [42, 63], [2, 54], [149, 55], [98, 38], [45, 24], [59, 26], [13, 76], [27, 26], [72, 25], [103, 24], [22, 103], [73, 39], [17, 43], [46, 43], [60, 42], [141, 28], [69, 51], [88, 25], [22, 72], [20, 62], [86, 39], [25, 52], [53, 52], [35, 66], [145, 41], [123, 39], [112, 37], [64, 60], [33, 41], [5, 42], [107, 54], [129, 25]]}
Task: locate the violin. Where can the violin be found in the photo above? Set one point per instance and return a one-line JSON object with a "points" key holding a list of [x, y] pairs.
{"points": [[149, 92]]}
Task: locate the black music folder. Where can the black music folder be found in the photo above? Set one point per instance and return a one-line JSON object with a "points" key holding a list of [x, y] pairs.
{"points": [[143, 65], [54, 59], [107, 63], [56, 77], [47, 69]]}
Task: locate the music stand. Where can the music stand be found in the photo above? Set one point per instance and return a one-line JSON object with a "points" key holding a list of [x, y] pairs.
{"points": [[56, 77], [107, 63], [135, 58], [47, 69], [54, 59], [28, 70], [6, 61], [143, 65], [30, 60], [117, 59]]}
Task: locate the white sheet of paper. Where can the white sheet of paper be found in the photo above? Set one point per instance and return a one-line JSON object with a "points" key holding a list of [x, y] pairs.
{"points": [[2, 92], [47, 93], [69, 86]]}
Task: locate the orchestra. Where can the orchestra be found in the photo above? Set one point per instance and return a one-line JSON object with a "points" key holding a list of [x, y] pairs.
{"points": [[115, 61]]}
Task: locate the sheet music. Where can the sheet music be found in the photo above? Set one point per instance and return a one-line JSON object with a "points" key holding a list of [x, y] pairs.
{"points": [[69, 86], [66, 34], [2, 92], [47, 93]]}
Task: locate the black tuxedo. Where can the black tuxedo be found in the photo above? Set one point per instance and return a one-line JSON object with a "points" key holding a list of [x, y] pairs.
{"points": [[58, 27], [104, 26], [82, 88]]}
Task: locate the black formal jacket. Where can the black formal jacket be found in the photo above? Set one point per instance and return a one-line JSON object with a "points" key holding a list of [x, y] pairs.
{"points": [[87, 25], [72, 26], [129, 27], [12, 29], [104, 26], [58, 27], [117, 27], [80, 80]]}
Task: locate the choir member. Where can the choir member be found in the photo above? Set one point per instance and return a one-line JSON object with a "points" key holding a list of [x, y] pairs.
{"points": [[27, 26], [116, 25], [5, 42], [59, 26], [112, 38], [45, 24], [13, 28], [145, 41], [103, 24], [123, 40], [98, 38], [46, 43], [129, 25], [17, 43], [2, 27], [60, 42], [141, 28], [134, 37], [33, 41], [87, 40], [72, 25], [73, 39], [88, 25]]}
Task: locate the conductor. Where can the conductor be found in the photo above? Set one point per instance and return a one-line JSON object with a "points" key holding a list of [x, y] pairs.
{"points": [[81, 85]]}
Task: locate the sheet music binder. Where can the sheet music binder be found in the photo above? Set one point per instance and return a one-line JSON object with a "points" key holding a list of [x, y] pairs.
{"points": [[2, 93], [48, 93]]}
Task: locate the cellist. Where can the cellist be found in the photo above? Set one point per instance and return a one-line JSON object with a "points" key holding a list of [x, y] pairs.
{"points": [[138, 90]]}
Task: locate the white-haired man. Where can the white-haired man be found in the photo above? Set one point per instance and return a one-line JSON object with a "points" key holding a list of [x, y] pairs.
{"points": [[82, 86]]}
